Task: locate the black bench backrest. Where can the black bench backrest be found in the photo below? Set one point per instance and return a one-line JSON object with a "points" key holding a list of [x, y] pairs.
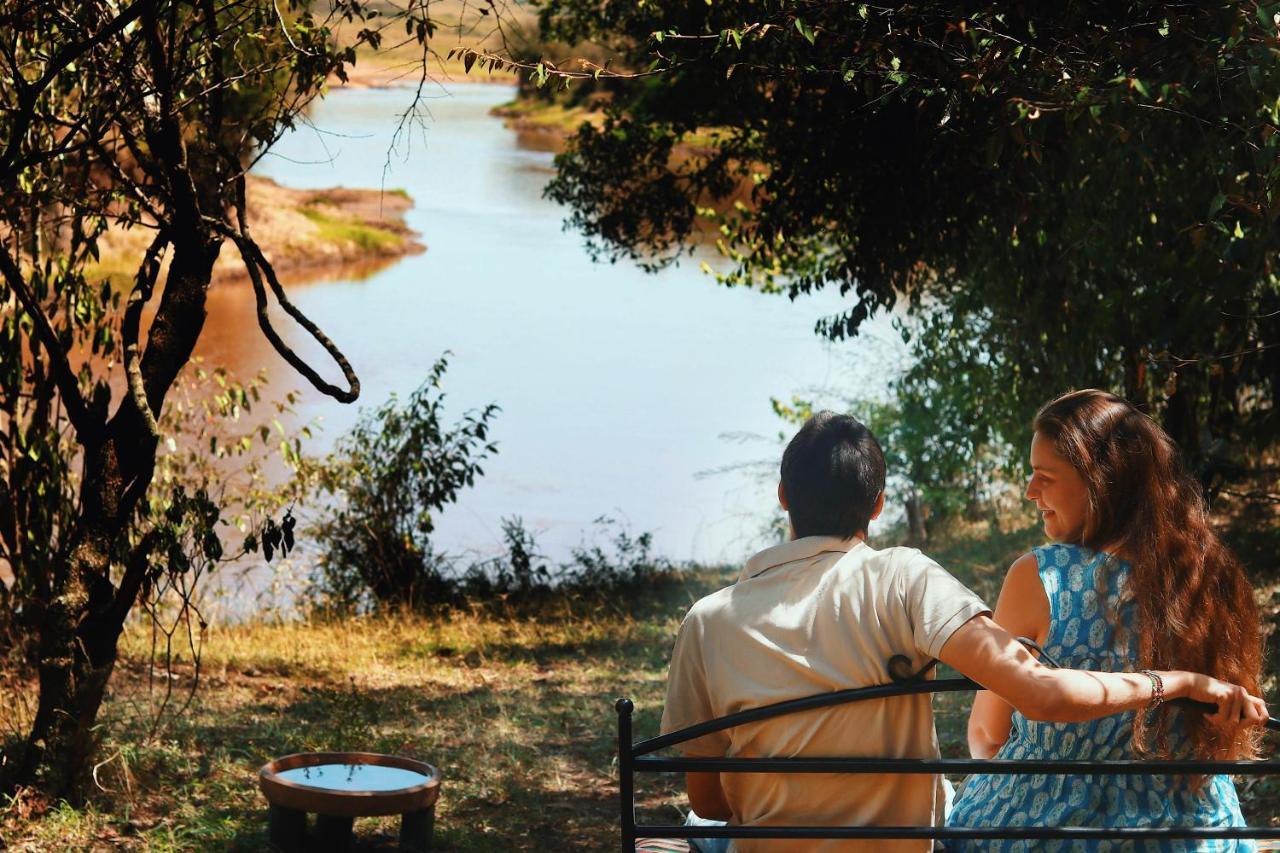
{"points": [[638, 757]]}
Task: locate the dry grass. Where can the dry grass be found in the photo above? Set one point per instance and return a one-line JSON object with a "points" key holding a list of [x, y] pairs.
{"points": [[516, 713], [400, 61]]}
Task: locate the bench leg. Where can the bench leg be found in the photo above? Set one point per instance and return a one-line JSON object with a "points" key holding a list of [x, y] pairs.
{"points": [[415, 830], [287, 829], [333, 834]]}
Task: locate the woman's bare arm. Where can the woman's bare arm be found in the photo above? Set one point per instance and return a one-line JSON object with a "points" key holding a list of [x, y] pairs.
{"points": [[1022, 610], [991, 656]]}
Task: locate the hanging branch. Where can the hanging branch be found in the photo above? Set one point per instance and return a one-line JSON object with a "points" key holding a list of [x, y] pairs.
{"points": [[68, 386], [545, 69], [258, 266]]}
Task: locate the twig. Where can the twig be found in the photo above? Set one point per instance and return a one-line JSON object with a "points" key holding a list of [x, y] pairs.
{"points": [[28, 93]]}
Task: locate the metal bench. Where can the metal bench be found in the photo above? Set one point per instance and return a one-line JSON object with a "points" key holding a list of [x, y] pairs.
{"points": [[638, 757]]}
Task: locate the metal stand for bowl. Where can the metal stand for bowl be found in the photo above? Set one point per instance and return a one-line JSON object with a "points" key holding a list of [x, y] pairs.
{"points": [[337, 808]]}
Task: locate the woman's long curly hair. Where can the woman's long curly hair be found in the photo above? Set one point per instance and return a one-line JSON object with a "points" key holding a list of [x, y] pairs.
{"points": [[1195, 609]]}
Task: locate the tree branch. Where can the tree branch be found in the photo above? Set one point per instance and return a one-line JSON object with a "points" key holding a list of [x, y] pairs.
{"points": [[257, 265], [29, 92], [143, 286], [137, 567]]}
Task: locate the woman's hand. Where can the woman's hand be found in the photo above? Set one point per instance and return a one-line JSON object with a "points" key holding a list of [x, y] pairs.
{"points": [[1237, 708]]}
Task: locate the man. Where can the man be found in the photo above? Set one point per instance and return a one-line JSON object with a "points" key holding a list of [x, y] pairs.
{"points": [[825, 611]]}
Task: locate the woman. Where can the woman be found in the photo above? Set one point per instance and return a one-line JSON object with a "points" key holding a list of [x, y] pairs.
{"points": [[1137, 579]]}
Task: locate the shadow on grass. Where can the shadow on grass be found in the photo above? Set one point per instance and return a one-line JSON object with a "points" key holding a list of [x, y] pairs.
{"points": [[520, 762]]}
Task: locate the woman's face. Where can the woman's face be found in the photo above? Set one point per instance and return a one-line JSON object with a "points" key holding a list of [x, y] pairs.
{"points": [[1058, 491]]}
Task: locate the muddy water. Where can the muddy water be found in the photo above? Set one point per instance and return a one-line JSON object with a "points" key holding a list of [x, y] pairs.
{"points": [[619, 390]]}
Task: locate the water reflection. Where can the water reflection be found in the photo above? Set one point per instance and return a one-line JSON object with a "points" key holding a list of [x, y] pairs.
{"points": [[354, 777]]}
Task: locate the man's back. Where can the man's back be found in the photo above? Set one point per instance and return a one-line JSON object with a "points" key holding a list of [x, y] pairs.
{"points": [[814, 615]]}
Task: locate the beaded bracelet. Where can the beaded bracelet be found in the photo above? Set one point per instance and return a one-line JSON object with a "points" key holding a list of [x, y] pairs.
{"points": [[1157, 690]]}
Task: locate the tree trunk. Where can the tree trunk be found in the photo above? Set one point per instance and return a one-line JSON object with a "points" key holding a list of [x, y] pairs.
{"points": [[918, 533], [82, 619], [77, 654], [1182, 422]]}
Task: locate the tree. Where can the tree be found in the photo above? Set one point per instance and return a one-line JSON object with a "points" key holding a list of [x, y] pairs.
{"points": [[130, 115], [1067, 196]]}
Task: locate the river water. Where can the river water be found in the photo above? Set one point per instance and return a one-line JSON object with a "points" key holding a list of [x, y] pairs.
{"points": [[620, 390]]}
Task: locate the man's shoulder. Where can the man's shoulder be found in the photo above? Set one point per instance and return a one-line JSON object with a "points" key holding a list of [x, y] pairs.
{"points": [[710, 606], [729, 610]]}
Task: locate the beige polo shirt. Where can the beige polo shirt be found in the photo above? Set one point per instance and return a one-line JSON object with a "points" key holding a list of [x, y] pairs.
{"points": [[810, 616]]}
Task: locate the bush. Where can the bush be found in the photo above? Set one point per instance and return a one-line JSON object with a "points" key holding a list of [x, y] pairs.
{"points": [[383, 485], [387, 479]]}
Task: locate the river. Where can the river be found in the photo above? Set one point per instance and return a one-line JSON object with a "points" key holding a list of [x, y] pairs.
{"points": [[620, 390]]}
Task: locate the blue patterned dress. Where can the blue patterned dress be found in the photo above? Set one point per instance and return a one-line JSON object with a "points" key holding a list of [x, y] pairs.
{"points": [[1082, 637]]}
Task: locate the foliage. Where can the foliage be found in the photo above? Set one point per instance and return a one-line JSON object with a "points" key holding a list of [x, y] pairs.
{"points": [[380, 492], [210, 479], [210, 491], [389, 476], [1069, 196]]}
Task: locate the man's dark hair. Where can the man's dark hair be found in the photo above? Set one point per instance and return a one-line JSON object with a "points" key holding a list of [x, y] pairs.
{"points": [[832, 473]]}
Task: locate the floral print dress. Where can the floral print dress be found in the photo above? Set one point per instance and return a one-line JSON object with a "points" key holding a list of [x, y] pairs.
{"points": [[1085, 592]]}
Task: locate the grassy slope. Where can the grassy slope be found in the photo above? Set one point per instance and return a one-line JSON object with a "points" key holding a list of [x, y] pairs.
{"points": [[518, 715]]}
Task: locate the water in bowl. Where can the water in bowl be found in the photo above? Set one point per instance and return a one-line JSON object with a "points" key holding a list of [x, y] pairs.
{"points": [[354, 777]]}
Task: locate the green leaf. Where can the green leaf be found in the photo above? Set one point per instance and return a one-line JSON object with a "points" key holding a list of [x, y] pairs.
{"points": [[805, 30]]}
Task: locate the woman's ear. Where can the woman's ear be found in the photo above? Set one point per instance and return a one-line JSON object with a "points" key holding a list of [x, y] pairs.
{"points": [[782, 497], [879, 507]]}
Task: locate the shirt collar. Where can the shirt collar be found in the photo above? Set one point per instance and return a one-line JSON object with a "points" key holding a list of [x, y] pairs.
{"points": [[794, 550]]}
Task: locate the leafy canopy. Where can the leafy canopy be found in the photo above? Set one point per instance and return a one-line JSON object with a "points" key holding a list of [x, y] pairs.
{"points": [[1064, 195]]}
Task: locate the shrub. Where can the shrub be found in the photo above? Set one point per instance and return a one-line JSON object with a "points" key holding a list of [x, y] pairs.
{"points": [[386, 480]]}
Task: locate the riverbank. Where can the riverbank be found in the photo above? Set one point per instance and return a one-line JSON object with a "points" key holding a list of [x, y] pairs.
{"points": [[302, 232], [382, 70], [399, 60], [545, 125], [555, 121]]}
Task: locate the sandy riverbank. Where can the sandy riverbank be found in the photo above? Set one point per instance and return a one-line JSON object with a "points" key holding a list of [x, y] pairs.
{"points": [[299, 230]]}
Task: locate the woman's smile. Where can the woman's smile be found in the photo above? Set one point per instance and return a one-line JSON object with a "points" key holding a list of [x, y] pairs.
{"points": [[1058, 492]]}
